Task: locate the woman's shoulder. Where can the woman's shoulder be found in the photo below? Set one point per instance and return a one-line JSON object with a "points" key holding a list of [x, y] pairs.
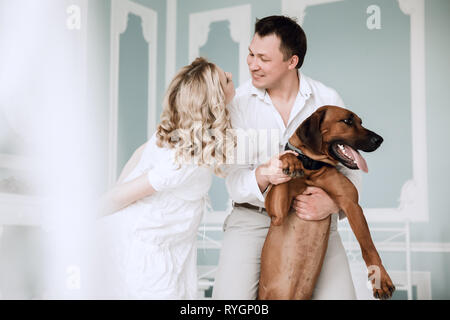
{"points": [[149, 152], [162, 156], [141, 149]]}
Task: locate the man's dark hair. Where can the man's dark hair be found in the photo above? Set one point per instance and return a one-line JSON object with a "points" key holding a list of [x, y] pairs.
{"points": [[291, 35]]}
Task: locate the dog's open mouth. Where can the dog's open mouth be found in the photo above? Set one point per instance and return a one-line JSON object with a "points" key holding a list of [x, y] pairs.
{"points": [[348, 156]]}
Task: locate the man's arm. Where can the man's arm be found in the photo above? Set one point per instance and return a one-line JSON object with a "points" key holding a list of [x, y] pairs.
{"points": [[242, 185], [244, 182], [316, 204], [249, 185]]}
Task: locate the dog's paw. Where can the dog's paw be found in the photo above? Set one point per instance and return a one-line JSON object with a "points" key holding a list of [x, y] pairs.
{"points": [[294, 174], [291, 165], [382, 285]]}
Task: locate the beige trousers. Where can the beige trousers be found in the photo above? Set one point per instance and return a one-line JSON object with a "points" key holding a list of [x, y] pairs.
{"points": [[240, 259]]}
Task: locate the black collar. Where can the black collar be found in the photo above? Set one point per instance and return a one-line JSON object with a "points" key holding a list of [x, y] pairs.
{"points": [[308, 163]]}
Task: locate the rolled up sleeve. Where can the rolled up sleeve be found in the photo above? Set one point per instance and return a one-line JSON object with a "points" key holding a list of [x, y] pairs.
{"points": [[241, 179], [242, 185]]}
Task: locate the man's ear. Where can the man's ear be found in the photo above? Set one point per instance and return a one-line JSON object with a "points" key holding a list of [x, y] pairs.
{"points": [[293, 61], [309, 131]]}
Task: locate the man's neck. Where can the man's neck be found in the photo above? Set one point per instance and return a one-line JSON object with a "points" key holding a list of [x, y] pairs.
{"points": [[287, 88]]}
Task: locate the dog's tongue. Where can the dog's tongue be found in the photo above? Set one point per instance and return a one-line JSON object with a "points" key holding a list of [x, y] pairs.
{"points": [[360, 161]]}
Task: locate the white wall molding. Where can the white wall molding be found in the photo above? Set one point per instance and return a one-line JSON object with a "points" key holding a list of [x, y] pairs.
{"points": [[416, 247], [171, 40], [420, 279], [214, 220], [240, 30], [297, 8], [120, 9], [414, 193], [419, 247]]}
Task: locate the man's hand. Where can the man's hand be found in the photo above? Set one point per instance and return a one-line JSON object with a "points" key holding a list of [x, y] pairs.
{"points": [[271, 172], [314, 204]]}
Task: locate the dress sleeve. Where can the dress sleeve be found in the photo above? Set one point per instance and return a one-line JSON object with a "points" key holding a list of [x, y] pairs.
{"points": [[164, 178], [165, 174]]}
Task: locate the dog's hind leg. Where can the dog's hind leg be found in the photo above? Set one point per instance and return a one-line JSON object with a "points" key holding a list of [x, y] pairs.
{"points": [[292, 258]]}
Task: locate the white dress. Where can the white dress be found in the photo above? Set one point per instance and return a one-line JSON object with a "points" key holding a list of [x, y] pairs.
{"points": [[151, 244]]}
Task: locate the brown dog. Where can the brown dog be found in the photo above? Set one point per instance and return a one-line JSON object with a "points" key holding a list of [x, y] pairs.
{"points": [[294, 249]]}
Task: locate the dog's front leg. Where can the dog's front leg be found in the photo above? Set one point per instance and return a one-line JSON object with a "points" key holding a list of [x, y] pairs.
{"points": [[381, 282], [277, 203], [279, 199]]}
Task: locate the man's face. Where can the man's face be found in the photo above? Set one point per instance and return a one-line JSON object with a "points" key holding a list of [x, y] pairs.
{"points": [[265, 61]]}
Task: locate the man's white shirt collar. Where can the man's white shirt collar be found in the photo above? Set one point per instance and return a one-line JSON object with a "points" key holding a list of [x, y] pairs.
{"points": [[305, 89]]}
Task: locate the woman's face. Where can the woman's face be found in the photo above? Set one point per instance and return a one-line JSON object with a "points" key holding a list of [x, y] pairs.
{"points": [[226, 80]]}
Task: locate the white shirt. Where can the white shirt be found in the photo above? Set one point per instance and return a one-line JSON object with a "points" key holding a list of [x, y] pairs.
{"points": [[152, 242], [253, 109]]}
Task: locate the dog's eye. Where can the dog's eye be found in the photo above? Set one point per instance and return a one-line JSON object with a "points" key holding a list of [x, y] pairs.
{"points": [[348, 122]]}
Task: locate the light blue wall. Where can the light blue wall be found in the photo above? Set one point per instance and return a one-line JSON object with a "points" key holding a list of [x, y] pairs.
{"points": [[160, 7], [221, 50], [133, 90], [260, 8], [437, 76], [133, 81], [98, 63], [370, 70]]}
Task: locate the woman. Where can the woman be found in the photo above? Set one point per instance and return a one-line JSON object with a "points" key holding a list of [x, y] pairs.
{"points": [[162, 191]]}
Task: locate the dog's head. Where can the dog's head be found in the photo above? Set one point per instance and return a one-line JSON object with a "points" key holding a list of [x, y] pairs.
{"points": [[333, 134]]}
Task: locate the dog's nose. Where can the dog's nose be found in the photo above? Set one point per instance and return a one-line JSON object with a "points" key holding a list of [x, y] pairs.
{"points": [[376, 140]]}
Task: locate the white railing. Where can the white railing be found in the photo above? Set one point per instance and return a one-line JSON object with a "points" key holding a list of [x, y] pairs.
{"points": [[351, 246]]}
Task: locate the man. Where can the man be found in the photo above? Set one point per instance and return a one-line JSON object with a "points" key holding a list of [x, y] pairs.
{"points": [[278, 97]]}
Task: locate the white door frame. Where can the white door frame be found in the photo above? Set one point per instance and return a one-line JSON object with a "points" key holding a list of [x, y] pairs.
{"points": [[414, 192], [120, 9]]}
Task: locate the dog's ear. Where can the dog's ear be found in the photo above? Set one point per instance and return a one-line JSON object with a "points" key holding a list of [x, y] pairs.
{"points": [[309, 131]]}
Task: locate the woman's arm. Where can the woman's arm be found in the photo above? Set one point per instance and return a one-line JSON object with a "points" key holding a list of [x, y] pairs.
{"points": [[131, 164], [122, 195]]}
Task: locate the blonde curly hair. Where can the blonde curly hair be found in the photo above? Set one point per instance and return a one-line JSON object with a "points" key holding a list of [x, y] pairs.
{"points": [[195, 120]]}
